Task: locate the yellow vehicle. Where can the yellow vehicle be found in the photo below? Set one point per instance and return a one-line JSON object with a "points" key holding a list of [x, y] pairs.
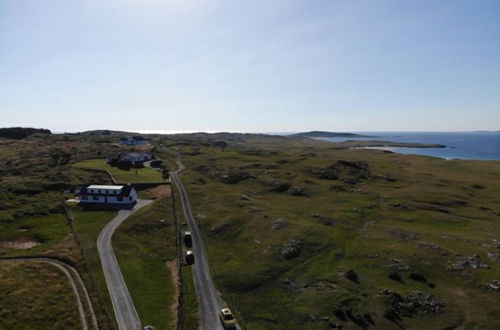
{"points": [[227, 319]]}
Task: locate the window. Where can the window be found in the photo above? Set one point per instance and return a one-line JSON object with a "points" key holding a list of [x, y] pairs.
{"points": [[120, 199], [96, 198]]}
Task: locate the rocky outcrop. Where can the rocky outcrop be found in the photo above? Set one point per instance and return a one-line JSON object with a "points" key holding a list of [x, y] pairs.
{"points": [[473, 262], [350, 172], [399, 306], [292, 249], [279, 223], [491, 285], [297, 191], [433, 247], [278, 186], [351, 276], [235, 176]]}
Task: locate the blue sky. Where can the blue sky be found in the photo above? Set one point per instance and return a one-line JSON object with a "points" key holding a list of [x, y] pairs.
{"points": [[283, 65]]}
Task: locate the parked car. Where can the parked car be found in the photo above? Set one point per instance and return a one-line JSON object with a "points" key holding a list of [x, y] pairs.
{"points": [[227, 319], [189, 257], [188, 239]]}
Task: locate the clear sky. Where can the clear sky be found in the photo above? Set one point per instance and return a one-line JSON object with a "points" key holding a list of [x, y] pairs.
{"points": [[259, 65]]}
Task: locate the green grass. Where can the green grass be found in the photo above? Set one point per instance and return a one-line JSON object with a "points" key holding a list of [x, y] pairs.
{"points": [[133, 175], [143, 245], [453, 204], [189, 300], [88, 225], [36, 296]]}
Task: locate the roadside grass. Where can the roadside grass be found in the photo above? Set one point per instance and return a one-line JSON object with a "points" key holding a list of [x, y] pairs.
{"points": [[189, 308], [36, 296], [407, 200], [190, 314], [88, 225], [143, 244], [134, 175]]}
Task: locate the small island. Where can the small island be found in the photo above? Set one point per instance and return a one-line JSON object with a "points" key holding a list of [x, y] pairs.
{"points": [[324, 134]]}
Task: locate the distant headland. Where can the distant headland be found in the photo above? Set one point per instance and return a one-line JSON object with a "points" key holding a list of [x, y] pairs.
{"points": [[325, 134]]}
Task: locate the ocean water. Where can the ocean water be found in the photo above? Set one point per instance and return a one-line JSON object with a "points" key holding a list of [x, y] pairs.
{"points": [[459, 145]]}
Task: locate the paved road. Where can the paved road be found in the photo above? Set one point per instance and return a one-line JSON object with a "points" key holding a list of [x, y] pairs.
{"points": [[208, 297], [125, 313], [67, 270]]}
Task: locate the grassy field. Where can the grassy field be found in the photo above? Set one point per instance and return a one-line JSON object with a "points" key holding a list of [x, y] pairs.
{"points": [[397, 221], [189, 303], [36, 296], [35, 174], [143, 244], [88, 225], [133, 175]]}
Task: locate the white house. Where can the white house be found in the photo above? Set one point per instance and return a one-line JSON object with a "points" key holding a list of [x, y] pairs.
{"points": [[108, 195], [134, 140]]}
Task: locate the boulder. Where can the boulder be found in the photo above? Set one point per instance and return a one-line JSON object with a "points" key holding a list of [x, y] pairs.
{"points": [[351, 276], [297, 191], [399, 306], [473, 262], [292, 249], [279, 223]]}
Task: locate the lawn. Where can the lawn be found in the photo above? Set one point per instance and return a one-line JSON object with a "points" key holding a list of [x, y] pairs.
{"points": [[134, 175], [369, 223], [36, 296], [143, 245]]}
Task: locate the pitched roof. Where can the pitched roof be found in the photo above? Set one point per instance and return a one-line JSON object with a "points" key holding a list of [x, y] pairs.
{"points": [[107, 187]]}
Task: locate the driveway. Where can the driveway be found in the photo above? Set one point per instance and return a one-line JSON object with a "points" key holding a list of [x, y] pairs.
{"points": [[125, 313]]}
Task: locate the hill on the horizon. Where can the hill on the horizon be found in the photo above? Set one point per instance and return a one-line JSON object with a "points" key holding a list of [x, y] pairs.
{"points": [[325, 134]]}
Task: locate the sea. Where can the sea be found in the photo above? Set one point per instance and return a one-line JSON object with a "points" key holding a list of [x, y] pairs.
{"points": [[484, 145]]}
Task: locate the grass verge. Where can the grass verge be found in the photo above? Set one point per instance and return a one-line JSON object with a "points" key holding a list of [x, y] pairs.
{"points": [[143, 244], [88, 225]]}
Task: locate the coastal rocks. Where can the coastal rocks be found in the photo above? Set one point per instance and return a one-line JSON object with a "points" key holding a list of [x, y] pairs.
{"points": [[292, 249], [279, 223], [399, 306], [473, 262]]}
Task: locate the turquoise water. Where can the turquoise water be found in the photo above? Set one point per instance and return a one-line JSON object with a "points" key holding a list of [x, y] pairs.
{"points": [[459, 145]]}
